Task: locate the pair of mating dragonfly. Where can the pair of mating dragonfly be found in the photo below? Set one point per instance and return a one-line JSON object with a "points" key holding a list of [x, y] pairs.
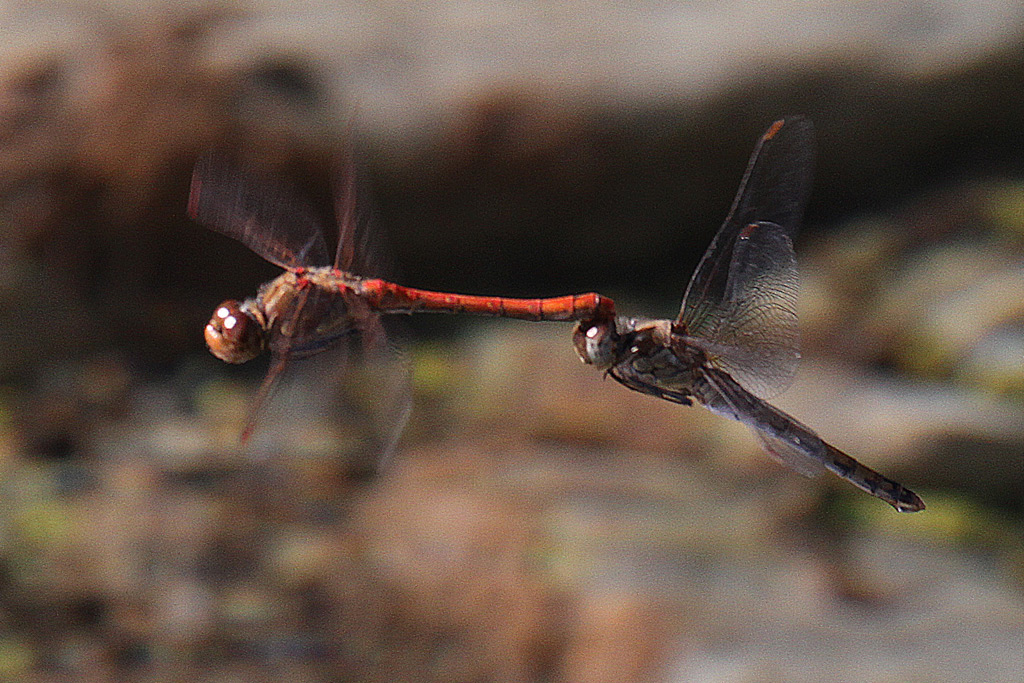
{"points": [[733, 345]]}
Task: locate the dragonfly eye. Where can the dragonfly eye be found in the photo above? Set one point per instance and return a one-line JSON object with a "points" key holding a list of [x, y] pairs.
{"points": [[232, 334], [595, 342]]}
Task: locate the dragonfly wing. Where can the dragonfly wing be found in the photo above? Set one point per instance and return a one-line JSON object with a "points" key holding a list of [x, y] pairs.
{"points": [[357, 379], [382, 365], [777, 182], [794, 444], [784, 438], [282, 345], [362, 244], [317, 319], [307, 327], [388, 369], [785, 454], [368, 388], [263, 395], [345, 213], [259, 213], [775, 188], [753, 332], [750, 262]]}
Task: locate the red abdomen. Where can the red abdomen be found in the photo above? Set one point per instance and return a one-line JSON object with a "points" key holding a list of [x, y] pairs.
{"points": [[388, 297]]}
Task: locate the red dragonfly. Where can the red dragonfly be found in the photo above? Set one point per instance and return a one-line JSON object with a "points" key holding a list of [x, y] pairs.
{"points": [[314, 306], [735, 341]]}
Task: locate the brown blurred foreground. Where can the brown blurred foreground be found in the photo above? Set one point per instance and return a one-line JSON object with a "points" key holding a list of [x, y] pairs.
{"points": [[538, 524]]}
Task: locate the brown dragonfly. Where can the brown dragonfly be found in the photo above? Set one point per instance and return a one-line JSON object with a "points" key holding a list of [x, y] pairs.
{"points": [[735, 341], [316, 305]]}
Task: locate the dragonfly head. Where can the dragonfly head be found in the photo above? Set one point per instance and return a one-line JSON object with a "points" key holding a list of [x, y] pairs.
{"points": [[597, 342], [234, 334]]}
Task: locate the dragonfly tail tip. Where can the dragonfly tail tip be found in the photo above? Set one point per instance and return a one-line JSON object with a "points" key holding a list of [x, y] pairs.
{"points": [[909, 502]]}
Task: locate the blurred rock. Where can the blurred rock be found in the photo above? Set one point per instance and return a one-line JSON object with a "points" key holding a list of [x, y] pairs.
{"points": [[453, 595], [617, 639], [937, 292]]}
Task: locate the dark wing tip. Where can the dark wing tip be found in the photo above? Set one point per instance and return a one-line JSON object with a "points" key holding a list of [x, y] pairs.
{"points": [[194, 192], [774, 129], [208, 171]]}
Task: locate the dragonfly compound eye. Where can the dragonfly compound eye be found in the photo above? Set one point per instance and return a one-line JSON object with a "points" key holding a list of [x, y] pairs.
{"points": [[595, 342], [232, 334]]}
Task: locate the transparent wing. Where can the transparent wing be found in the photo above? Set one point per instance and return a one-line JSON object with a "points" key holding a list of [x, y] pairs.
{"points": [[260, 214], [380, 385], [345, 213], [796, 445], [753, 331], [368, 390], [362, 245], [259, 402], [316, 319], [376, 381], [783, 453], [296, 335], [724, 397], [750, 265], [362, 382]]}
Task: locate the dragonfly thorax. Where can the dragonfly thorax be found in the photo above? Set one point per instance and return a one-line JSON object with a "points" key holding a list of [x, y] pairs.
{"points": [[234, 334]]}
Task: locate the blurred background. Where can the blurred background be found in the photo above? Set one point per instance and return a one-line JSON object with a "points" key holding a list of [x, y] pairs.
{"points": [[535, 523]]}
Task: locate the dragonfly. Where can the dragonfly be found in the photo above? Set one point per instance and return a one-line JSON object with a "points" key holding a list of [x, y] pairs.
{"points": [[735, 342], [316, 303]]}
